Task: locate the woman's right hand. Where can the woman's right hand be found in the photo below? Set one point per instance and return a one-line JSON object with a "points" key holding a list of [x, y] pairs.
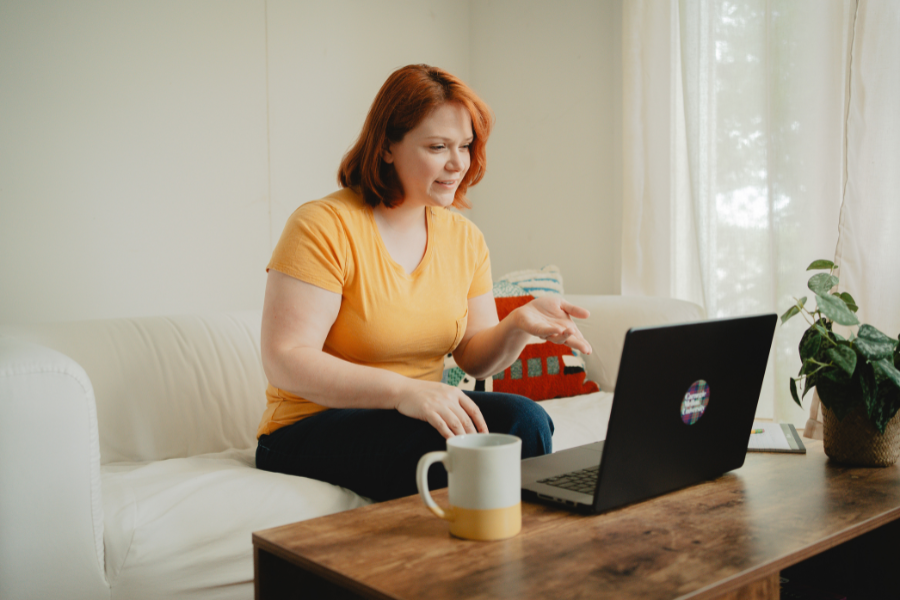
{"points": [[444, 407], [297, 317]]}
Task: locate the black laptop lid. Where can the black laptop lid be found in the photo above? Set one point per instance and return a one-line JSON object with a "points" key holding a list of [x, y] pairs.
{"points": [[684, 405]]}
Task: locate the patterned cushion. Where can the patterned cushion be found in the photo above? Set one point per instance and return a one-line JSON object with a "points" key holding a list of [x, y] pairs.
{"points": [[544, 370], [537, 282]]}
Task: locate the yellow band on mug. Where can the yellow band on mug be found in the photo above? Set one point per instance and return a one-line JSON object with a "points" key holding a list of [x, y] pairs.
{"points": [[487, 524]]}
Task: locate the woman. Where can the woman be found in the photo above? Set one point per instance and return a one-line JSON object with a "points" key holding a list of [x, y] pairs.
{"points": [[369, 288]]}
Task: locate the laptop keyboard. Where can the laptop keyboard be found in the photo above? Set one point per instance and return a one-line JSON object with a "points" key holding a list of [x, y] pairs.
{"points": [[584, 481]]}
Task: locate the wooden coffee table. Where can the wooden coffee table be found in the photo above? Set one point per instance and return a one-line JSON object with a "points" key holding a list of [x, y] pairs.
{"points": [[728, 538]]}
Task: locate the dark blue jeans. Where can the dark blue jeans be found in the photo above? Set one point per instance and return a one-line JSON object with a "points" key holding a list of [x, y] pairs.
{"points": [[374, 452]]}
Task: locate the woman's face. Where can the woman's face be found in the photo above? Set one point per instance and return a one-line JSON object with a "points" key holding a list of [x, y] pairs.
{"points": [[432, 159]]}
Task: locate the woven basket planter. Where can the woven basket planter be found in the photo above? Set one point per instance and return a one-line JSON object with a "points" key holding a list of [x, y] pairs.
{"points": [[855, 441]]}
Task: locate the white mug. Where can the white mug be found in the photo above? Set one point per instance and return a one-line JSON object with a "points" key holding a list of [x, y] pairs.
{"points": [[485, 481]]}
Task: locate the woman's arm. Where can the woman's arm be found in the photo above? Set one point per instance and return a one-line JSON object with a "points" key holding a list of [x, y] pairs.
{"points": [[490, 345], [297, 317]]}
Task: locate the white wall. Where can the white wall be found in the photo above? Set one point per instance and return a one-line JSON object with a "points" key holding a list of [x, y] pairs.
{"points": [[552, 73], [150, 152], [327, 60], [132, 157]]}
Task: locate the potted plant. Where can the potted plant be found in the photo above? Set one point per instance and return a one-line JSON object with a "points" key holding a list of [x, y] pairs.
{"points": [[856, 377]]}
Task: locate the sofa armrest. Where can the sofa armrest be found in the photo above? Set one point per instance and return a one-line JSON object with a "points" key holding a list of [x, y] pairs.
{"points": [[51, 510], [612, 316]]}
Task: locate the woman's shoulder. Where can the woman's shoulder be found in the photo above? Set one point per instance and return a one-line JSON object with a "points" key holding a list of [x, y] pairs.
{"points": [[457, 223], [343, 201], [343, 208]]}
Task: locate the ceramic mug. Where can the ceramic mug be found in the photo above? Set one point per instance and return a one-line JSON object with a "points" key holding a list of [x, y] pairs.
{"points": [[485, 481]]}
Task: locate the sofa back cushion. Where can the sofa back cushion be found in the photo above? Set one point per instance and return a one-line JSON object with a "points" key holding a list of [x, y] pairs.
{"points": [[167, 387], [612, 317]]}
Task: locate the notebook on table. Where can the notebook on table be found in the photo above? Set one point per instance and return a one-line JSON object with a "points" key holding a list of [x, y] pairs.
{"points": [[775, 437], [682, 413]]}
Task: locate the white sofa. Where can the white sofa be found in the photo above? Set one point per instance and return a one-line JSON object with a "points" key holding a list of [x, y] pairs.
{"points": [[127, 448]]}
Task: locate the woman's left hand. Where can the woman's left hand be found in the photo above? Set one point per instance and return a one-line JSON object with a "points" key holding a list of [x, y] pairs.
{"points": [[550, 318]]}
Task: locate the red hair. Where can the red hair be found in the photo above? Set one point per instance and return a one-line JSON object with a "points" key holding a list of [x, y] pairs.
{"points": [[409, 95]]}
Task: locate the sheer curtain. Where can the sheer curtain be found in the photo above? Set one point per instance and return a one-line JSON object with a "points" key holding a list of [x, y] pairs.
{"points": [[869, 242], [760, 135]]}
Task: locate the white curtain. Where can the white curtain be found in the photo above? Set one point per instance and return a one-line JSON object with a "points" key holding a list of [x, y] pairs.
{"points": [[754, 132], [869, 242]]}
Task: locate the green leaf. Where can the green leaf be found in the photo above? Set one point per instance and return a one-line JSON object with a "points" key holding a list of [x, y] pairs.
{"points": [[849, 301], [836, 397], [882, 392], [822, 283], [794, 310], [790, 313], [836, 375], [808, 367], [794, 392], [810, 344], [887, 404], [841, 394], [810, 384], [873, 344], [836, 310], [822, 327], [886, 371], [868, 387], [820, 264], [843, 357]]}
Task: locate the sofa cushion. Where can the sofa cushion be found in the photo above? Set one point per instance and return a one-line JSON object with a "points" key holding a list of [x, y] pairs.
{"points": [[192, 518], [167, 387], [183, 527], [579, 420], [611, 318], [534, 282]]}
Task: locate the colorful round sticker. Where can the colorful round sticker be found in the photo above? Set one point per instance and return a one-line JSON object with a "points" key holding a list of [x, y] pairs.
{"points": [[695, 400]]}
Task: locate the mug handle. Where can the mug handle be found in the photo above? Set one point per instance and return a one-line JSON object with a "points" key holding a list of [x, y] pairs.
{"points": [[422, 481]]}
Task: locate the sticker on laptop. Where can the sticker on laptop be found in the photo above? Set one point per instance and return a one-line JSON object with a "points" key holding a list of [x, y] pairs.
{"points": [[695, 400]]}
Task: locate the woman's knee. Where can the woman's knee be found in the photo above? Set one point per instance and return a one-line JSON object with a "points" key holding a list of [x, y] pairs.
{"points": [[535, 426], [519, 416]]}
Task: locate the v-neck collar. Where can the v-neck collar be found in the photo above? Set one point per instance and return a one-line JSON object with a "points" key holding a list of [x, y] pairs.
{"points": [[429, 239]]}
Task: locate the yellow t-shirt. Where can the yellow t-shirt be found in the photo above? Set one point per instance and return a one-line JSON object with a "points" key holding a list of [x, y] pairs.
{"points": [[389, 319]]}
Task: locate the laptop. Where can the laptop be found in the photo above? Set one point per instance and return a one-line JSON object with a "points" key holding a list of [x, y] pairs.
{"points": [[682, 413]]}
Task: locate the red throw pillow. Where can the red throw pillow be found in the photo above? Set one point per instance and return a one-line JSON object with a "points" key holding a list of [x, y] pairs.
{"points": [[543, 370]]}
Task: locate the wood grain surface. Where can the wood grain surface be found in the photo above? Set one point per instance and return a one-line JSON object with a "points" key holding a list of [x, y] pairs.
{"points": [[725, 538]]}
